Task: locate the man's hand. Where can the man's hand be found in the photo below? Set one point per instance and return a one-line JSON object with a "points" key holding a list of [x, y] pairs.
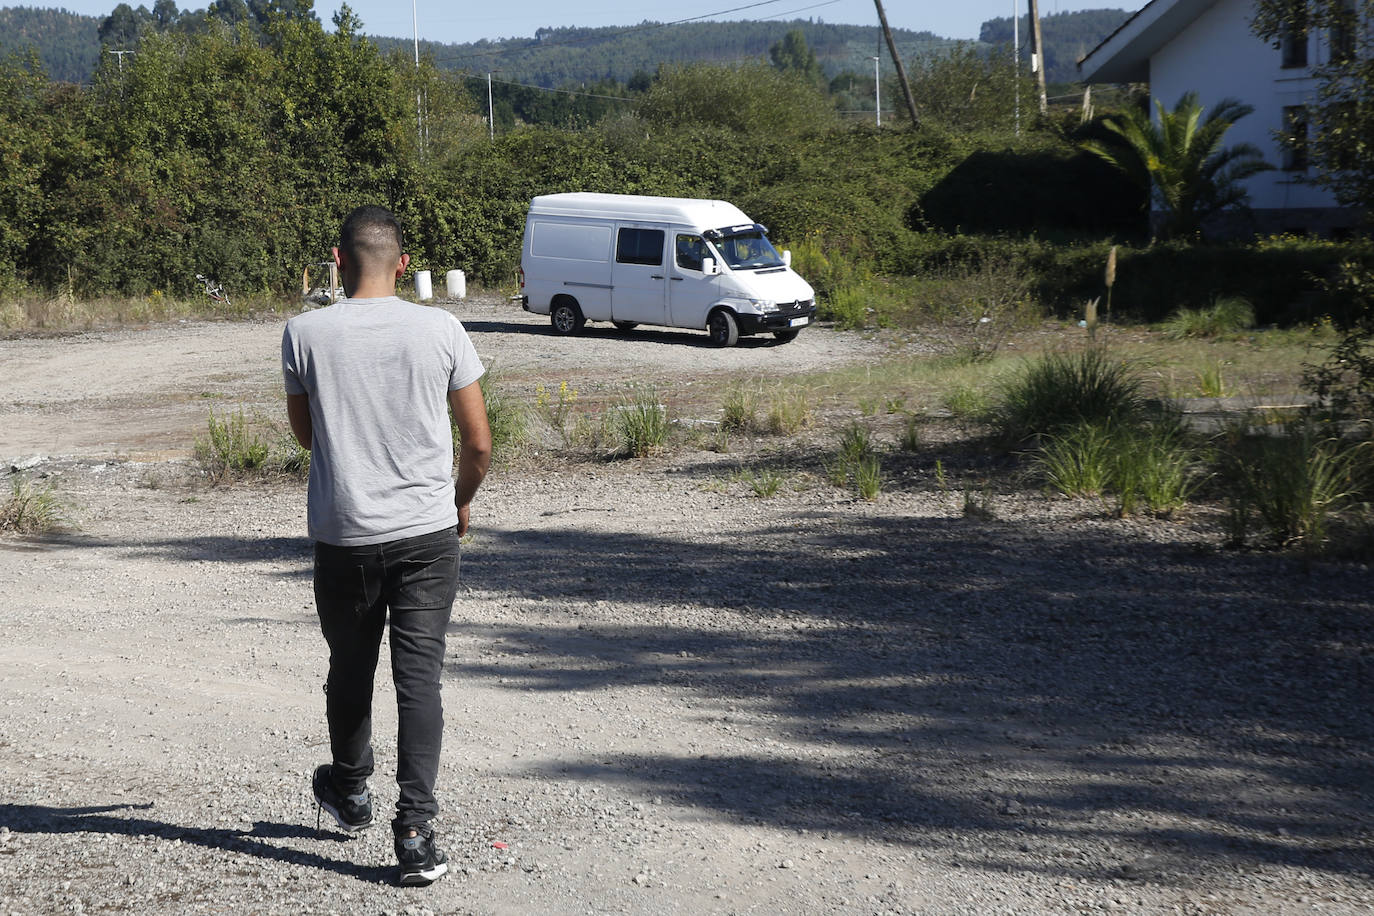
{"points": [[474, 454]]}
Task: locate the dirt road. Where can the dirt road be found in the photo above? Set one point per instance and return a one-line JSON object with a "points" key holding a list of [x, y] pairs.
{"points": [[664, 694]]}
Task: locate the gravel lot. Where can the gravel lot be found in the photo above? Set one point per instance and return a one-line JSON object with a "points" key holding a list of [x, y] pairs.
{"points": [[664, 695]]}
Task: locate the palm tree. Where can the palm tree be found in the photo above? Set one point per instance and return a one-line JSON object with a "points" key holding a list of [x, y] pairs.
{"points": [[1180, 160]]}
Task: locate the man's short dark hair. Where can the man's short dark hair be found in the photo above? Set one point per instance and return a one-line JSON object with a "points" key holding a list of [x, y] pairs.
{"points": [[372, 236]]}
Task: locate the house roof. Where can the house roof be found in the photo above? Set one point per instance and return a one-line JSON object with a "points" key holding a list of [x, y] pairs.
{"points": [[1124, 56]]}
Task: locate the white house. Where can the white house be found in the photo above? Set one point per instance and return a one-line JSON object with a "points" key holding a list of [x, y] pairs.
{"points": [[1207, 46]]}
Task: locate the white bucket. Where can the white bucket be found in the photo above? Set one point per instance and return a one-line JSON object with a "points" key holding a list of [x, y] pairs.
{"points": [[424, 287], [457, 284]]}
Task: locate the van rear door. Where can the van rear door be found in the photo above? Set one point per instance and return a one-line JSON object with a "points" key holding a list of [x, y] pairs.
{"points": [[638, 277]]}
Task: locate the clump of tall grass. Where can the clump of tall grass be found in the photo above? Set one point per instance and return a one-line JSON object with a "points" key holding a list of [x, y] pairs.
{"points": [[1227, 315], [1293, 482], [641, 420], [1061, 390], [31, 509], [786, 408], [1147, 466]]}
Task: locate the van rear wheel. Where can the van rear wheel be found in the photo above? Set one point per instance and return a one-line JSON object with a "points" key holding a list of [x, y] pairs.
{"points": [[566, 318], [723, 328], [625, 325]]}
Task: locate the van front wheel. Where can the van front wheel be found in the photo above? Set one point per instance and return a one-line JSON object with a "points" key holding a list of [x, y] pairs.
{"points": [[566, 318], [786, 336], [723, 328]]}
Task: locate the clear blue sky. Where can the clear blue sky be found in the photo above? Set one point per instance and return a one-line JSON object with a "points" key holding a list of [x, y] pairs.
{"points": [[448, 21]]}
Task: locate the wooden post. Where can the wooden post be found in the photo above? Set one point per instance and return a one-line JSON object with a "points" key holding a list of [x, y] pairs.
{"points": [[897, 62], [1038, 54]]}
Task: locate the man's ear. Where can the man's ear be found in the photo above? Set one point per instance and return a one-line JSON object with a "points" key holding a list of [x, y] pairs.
{"points": [[402, 265], [338, 258]]}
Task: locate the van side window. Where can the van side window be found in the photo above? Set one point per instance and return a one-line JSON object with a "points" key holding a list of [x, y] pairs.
{"points": [[690, 250], [640, 246]]}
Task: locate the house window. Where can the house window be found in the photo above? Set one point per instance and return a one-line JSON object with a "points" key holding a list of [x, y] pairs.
{"points": [[1293, 38], [1295, 138], [1342, 31]]}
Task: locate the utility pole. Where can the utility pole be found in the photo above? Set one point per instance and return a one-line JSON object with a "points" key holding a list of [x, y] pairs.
{"points": [[120, 55], [1038, 54], [419, 108], [877, 94], [897, 62], [1016, 60], [491, 111]]}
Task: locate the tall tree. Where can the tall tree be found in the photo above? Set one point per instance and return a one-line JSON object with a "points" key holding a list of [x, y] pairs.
{"points": [[1180, 159], [791, 55]]}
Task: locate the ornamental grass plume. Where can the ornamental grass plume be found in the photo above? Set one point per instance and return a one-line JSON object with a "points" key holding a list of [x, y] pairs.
{"points": [[1110, 277]]}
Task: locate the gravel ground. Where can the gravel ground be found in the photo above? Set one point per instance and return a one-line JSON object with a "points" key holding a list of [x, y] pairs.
{"points": [[664, 694]]}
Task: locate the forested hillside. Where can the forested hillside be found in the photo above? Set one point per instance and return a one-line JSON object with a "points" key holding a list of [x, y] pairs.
{"points": [[559, 57], [1068, 36], [67, 44]]}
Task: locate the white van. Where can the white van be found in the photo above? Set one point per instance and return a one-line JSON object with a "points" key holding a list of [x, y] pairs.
{"points": [[667, 261]]}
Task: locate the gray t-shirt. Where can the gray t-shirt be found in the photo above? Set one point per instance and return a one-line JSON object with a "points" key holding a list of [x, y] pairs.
{"points": [[378, 373]]}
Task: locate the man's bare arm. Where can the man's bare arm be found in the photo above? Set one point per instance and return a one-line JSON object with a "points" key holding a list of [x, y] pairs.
{"points": [[474, 455], [298, 413]]}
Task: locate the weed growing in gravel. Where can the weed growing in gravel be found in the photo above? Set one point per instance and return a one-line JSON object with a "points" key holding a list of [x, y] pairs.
{"points": [[789, 411], [642, 421], [856, 461], [507, 416], [31, 509], [556, 406], [741, 406], [233, 447], [966, 402], [910, 438], [868, 477], [764, 484]]}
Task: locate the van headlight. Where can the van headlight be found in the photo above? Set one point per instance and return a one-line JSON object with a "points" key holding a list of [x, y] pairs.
{"points": [[764, 305]]}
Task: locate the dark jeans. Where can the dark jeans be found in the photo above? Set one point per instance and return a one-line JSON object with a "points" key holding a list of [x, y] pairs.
{"points": [[416, 578]]}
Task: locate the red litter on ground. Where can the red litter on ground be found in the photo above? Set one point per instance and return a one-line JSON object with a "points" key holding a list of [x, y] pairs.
{"points": [[499, 845]]}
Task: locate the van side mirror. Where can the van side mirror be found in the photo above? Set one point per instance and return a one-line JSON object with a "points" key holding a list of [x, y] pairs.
{"points": [[786, 257], [709, 267]]}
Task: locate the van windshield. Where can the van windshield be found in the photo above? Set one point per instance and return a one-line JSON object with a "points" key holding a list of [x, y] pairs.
{"points": [[748, 250]]}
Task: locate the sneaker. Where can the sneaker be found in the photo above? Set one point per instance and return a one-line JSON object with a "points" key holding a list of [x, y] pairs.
{"points": [[352, 812], [422, 861]]}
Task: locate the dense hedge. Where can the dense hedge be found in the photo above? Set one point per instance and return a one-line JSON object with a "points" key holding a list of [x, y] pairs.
{"points": [[236, 153]]}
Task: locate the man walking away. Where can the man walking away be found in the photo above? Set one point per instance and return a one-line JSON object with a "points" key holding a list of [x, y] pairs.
{"points": [[370, 382]]}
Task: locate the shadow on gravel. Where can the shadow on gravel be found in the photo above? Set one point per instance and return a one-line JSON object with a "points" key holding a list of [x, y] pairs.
{"points": [[216, 548], [119, 820], [952, 681]]}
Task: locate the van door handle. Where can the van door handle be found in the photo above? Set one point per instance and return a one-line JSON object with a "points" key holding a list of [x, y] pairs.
{"points": [[655, 276], [677, 279]]}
